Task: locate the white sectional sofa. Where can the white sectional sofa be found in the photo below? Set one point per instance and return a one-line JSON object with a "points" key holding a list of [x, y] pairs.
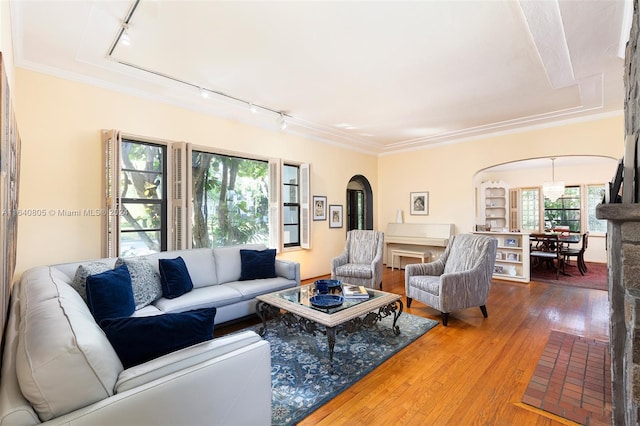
{"points": [[59, 367]]}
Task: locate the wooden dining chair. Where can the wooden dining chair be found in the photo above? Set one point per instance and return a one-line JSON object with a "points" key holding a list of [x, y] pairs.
{"points": [[577, 253], [545, 249]]}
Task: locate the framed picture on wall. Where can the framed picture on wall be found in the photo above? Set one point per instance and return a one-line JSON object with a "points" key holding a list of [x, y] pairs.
{"points": [[319, 207], [335, 216], [419, 203]]}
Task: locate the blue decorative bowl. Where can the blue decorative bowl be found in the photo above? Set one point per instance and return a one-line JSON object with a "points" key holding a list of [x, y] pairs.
{"points": [[331, 284], [326, 301]]}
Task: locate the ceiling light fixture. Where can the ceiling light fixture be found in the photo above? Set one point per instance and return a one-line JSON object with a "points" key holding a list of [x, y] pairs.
{"points": [[282, 122], [252, 108], [204, 93], [553, 190], [125, 39]]}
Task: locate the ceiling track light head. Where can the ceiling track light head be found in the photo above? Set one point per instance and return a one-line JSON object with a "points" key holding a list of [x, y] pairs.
{"points": [[125, 39], [282, 122]]}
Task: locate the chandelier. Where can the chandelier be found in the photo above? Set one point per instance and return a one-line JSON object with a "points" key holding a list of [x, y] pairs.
{"points": [[554, 189]]}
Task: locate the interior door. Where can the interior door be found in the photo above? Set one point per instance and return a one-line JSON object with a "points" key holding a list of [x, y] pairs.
{"points": [[355, 209]]}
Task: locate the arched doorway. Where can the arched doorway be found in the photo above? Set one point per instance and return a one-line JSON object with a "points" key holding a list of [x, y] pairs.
{"points": [[359, 204]]}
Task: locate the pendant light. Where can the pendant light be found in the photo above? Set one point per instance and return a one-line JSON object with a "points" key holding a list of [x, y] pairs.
{"points": [[554, 189]]}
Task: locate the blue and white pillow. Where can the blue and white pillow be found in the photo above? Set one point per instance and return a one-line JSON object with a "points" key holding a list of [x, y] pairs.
{"points": [[145, 281]]}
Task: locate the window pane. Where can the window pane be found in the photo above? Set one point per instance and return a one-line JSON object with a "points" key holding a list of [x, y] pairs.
{"points": [[141, 216], [291, 215], [530, 210], [291, 235], [230, 200], [290, 194], [141, 185], [595, 193], [290, 175], [139, 243], [565, 211]]}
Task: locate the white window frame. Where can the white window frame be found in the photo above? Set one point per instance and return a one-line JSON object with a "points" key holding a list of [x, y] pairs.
{"points": [[179, 192], [112, 144]]}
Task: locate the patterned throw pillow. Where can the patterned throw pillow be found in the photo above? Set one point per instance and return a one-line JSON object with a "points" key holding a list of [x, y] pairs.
{"points": [[79, 282], [144, 280]]}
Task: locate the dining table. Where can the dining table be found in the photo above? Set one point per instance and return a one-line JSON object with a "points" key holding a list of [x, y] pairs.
{"points": [[546, 247]]}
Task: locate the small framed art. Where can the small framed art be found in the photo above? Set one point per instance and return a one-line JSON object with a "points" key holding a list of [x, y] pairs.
{"points": [[419, 203], [511, 242], [335, 216], [319, 207]]}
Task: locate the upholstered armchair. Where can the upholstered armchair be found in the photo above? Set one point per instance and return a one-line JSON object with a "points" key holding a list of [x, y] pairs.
{"points": [[460, 279], [361, 261]]}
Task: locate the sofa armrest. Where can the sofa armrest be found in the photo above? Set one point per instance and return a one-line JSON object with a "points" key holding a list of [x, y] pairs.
{"points": [[288, 269], [181, 359], [234, 388]]}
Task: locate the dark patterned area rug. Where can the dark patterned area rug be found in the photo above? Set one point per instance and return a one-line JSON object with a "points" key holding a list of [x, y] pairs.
{"points": [[573, 380], [301, 379], [595, 278]]}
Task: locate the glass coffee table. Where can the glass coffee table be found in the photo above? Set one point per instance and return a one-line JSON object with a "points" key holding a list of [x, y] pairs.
{"points": [[293, 306]]}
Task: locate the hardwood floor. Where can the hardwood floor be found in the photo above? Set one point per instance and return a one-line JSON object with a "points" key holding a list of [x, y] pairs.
{"points": [[474, 371]]}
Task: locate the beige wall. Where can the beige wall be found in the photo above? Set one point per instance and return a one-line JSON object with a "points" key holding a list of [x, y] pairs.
{"points": [[60, 123], [447, 172]]}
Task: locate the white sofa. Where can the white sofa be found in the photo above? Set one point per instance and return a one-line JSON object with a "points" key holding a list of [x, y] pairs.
{"points": [[58, 367]]}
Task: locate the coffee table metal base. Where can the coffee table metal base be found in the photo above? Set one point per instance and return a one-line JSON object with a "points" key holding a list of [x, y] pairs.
{"points": [[264, 310]]}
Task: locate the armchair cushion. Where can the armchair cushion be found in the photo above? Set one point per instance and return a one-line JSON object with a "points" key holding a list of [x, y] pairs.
{"points": [[355, 270], [430, 284]]}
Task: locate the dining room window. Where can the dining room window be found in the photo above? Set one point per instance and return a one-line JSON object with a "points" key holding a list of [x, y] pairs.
{"points": [[530, 202], [565, 211]]}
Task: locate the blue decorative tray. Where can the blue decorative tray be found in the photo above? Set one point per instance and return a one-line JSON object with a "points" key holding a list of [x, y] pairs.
{"points": [[326, 301], [331, 284]]}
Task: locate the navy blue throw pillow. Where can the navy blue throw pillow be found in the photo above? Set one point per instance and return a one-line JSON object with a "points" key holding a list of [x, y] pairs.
{"points": [[110, 295], [174, 277], [257, 264], [140, 339]]}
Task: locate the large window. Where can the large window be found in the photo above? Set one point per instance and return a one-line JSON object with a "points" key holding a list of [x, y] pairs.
{"points": [[230, 200], [565, 211]]}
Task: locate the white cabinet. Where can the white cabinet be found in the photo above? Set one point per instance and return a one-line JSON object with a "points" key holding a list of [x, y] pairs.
{"points": [[512, 256], [494, 205]]}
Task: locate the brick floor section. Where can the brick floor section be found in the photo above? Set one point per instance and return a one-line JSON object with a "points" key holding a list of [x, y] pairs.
{"points": [[573, 380]]}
